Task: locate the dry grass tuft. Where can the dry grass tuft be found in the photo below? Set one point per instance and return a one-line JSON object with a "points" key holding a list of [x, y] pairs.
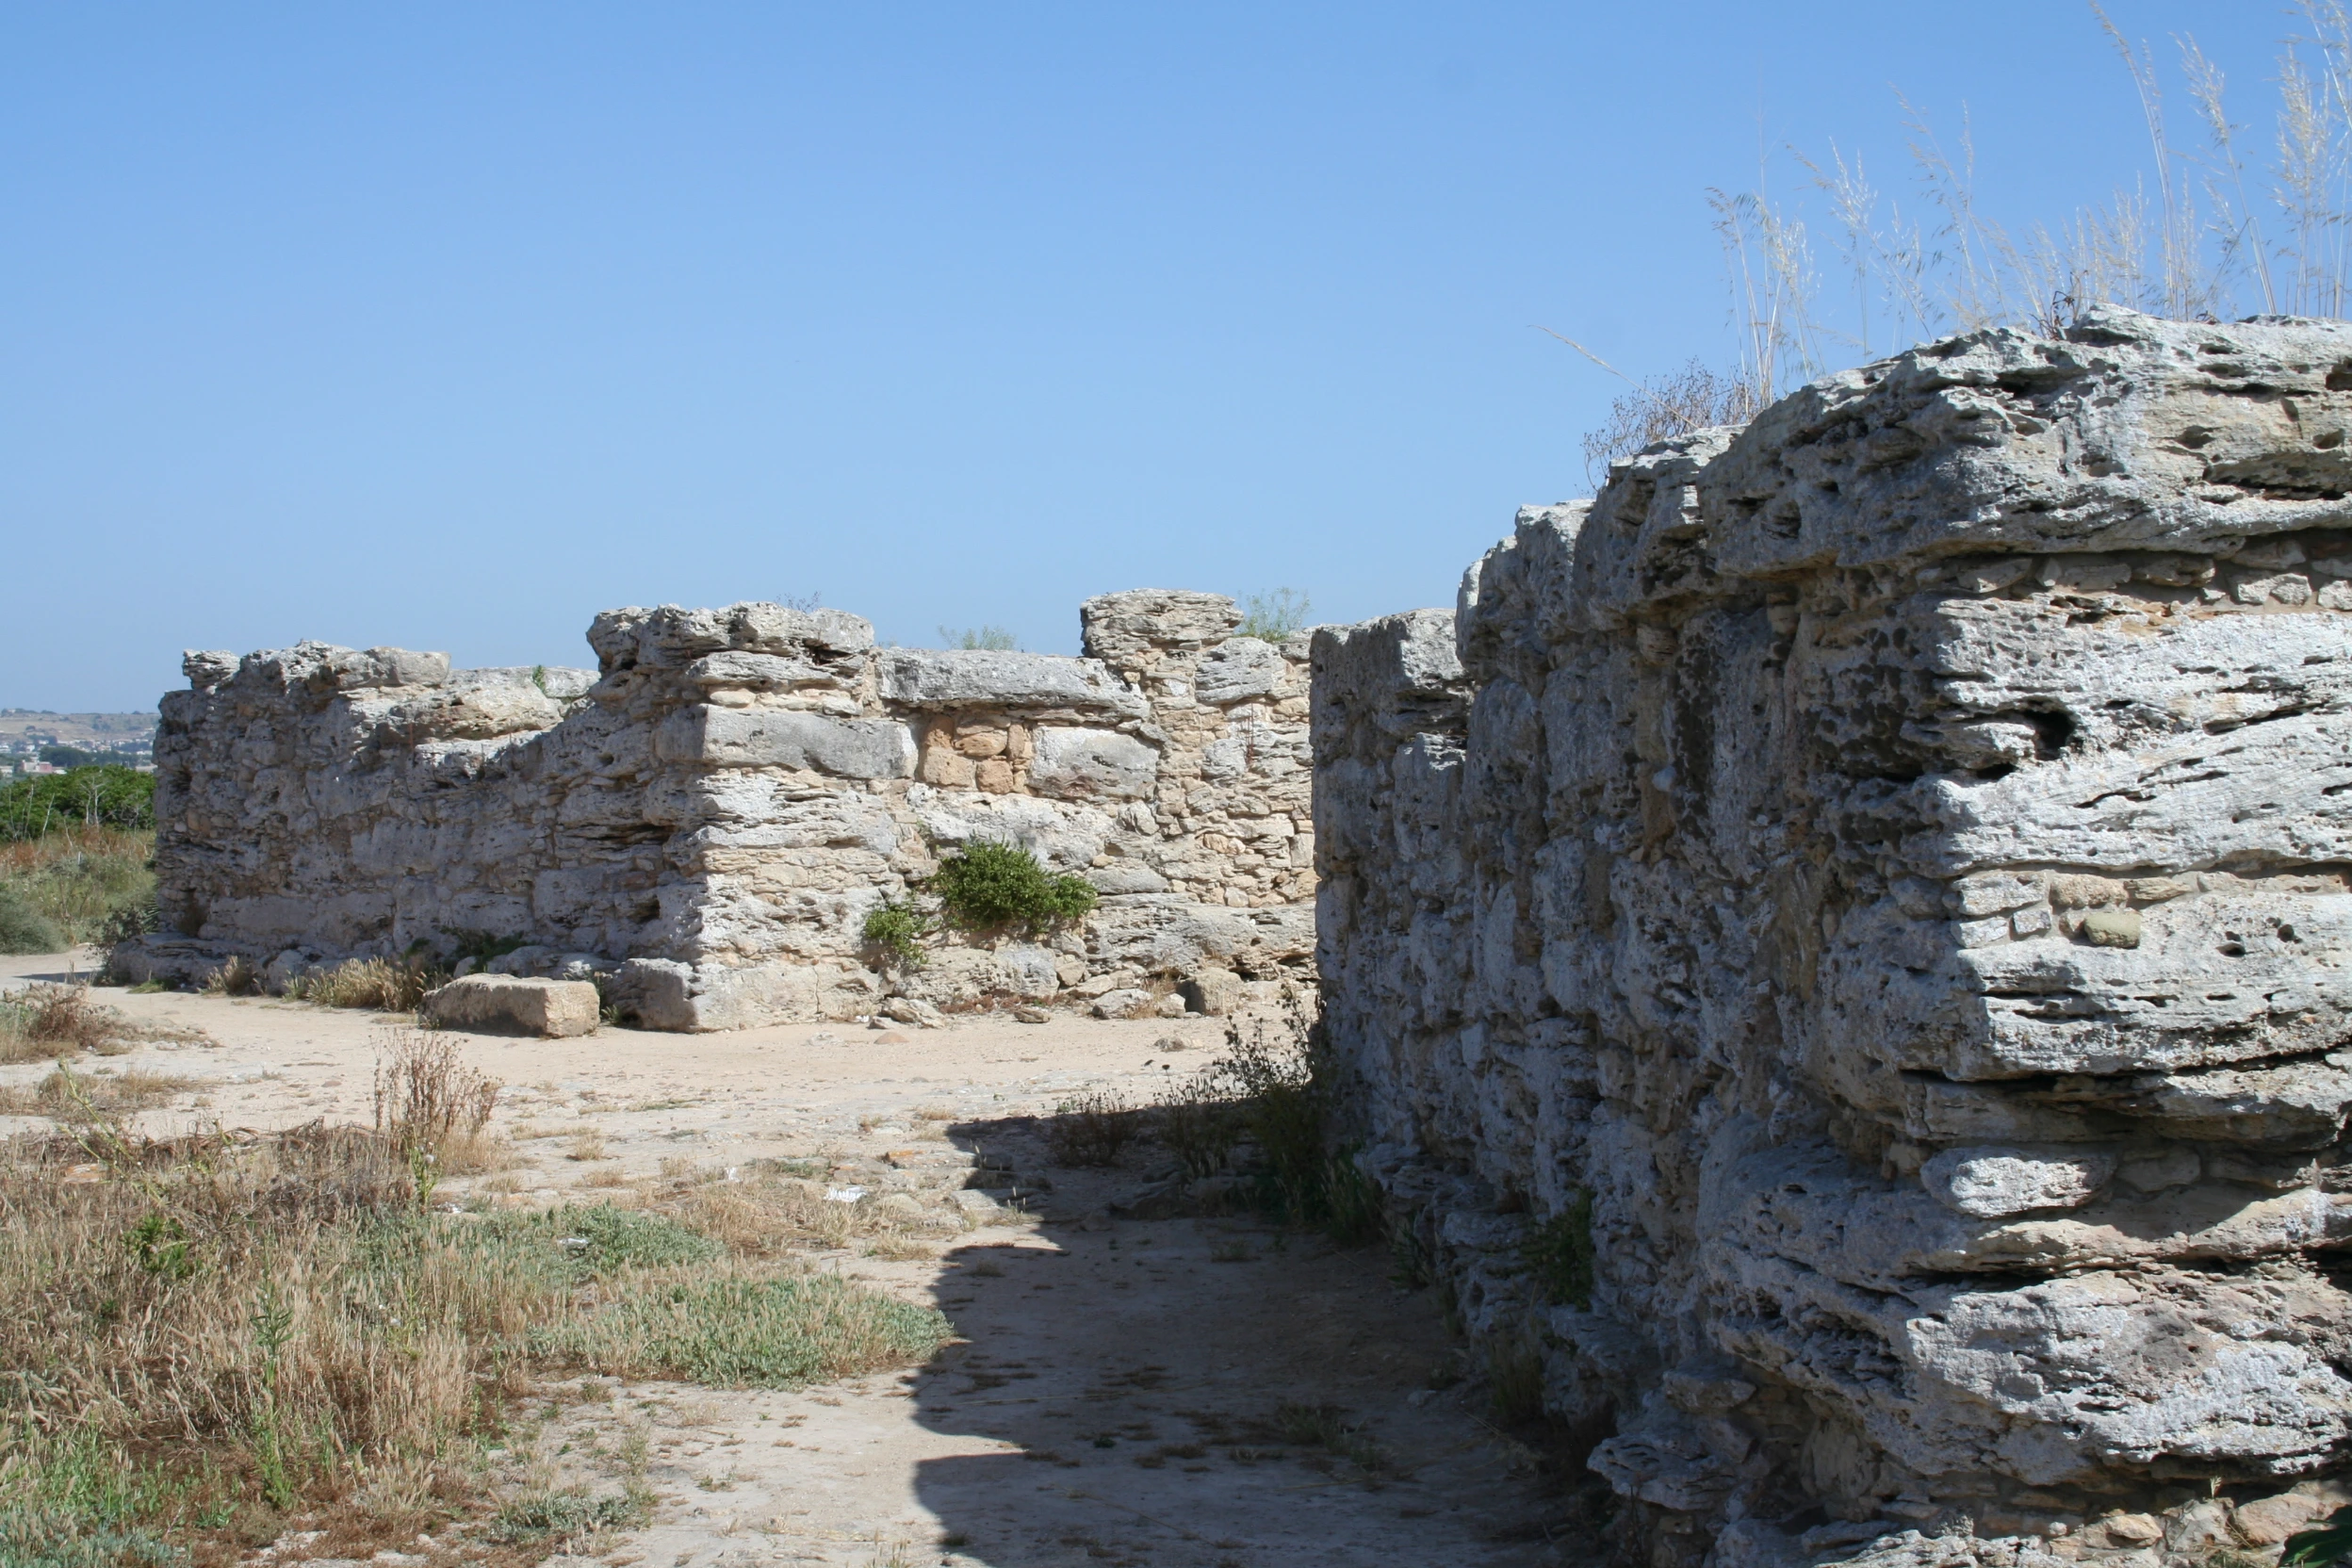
{"points": [[235, 978], [385, 985], [1094, 1129], [44, 1023], [430, 1104], [82, 1097], [587, 1144]]}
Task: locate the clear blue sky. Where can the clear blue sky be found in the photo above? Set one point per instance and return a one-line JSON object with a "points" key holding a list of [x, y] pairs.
{"points": [[444, 326]]}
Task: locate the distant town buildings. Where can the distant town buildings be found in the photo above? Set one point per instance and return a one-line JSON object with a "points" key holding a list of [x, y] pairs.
{"points": [[34, 741]]}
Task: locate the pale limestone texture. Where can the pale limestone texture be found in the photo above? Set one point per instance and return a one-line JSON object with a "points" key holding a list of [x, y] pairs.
{"points": [[1883, 876], [557, 1009], [703, 823]]}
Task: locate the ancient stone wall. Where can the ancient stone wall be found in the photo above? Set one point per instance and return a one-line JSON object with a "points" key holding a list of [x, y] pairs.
{"points": [[707, 817], [1842, 942]]}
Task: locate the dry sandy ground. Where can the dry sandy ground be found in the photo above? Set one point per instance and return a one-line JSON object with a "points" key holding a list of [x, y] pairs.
{"points": [[1108, 1399]]}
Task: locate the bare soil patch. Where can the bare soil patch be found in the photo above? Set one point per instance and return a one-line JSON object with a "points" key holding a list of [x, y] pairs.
{"points": [[1191, 1392]]}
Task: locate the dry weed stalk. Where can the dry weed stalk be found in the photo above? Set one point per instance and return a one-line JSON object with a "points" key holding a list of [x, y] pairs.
{"points": [[2188, 240], [429, 1102]]}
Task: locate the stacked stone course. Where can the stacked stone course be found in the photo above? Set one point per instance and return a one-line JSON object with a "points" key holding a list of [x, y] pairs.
{"points": [[706, 818], [1883, 875]]}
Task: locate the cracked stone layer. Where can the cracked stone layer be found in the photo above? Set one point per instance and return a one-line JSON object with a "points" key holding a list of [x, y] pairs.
{"points": [[1884, 875]]}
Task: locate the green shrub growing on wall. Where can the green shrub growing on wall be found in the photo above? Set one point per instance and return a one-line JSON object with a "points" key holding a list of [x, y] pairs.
{"points": [[896, 931], [986, 885], [1560, 1252]]}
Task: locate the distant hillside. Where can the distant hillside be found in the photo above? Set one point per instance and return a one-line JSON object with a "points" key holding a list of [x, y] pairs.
{"points": [[26, 732]]}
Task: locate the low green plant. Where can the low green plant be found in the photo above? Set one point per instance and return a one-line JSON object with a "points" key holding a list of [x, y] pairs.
{"points": [[1514, 1383], [894, 931], [1199, 1123], [1328, 1427], [746, 1331], [561, 1517], [994, 639], [1093, 1128], [481, 946], [1274, 616], [1354, 1210], [601, 1239], [1559, 1253], [988, 884], [273, 1329], [2330, 1543], [25, 929]]}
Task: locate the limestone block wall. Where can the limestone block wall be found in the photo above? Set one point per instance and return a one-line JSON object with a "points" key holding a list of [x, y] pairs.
{"points": [[1881, 880], [709, 816]]}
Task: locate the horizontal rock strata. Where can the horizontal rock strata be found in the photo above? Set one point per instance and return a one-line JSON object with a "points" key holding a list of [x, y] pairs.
{"points": [[1846, 937], [705, 820]]}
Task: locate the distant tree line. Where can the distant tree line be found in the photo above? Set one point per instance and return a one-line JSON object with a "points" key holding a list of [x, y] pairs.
{"points": [[104, 795]]}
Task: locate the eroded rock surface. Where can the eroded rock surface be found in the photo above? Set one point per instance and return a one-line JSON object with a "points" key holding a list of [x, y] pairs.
{"points": [[1848, 936], [702, 824]]}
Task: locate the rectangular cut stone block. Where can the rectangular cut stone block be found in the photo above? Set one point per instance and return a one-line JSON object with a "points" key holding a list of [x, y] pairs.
{"points": [[736, 737], [513, 1004]]}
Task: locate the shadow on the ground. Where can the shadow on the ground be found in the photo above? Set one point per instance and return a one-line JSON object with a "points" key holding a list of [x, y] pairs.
{"points": [[1205, 1391]]}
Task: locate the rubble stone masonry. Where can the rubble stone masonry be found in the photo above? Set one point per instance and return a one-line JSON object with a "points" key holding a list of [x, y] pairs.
{"points": [[706, 819]]}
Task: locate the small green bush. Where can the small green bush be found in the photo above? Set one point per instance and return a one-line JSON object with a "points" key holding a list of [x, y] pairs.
{"points": [[1274, 616], [993, 639], [986, 885], [25, 929], [1559, 1253], [109, 795], [896, 931]]}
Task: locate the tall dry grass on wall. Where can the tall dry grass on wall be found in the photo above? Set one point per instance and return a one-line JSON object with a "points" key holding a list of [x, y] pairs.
{"points": [[2222, 223]]}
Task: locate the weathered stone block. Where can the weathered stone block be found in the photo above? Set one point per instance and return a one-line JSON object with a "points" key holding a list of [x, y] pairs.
{"points": [[1086, 765], [557, 1009], [739, 738]]}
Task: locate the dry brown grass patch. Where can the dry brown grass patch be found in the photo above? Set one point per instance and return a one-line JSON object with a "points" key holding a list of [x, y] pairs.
{"points": [[385, 985], [77, 1096], [44, 1023]]}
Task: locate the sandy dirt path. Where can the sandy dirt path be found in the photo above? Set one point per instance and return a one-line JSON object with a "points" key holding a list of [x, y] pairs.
{"points": [[1113, 1392]]}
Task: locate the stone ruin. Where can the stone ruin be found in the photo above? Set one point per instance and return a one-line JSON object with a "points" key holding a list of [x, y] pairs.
{"points": [[1835, 951], [704, 821], [1839, 946]]}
